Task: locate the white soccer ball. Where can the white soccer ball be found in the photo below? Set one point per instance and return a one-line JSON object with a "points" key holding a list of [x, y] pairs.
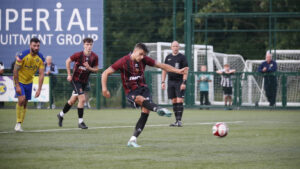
{"points": [[220, 129]]}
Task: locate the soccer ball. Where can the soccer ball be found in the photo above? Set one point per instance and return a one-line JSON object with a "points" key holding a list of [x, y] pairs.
{"points": [[220, 129]]}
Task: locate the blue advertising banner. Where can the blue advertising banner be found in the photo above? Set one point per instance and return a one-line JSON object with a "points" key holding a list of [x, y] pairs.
{"points": [[60, 25]]}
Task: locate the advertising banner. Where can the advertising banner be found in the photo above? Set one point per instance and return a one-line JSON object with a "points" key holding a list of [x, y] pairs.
{"points": [[60, 25], [7, 90]]}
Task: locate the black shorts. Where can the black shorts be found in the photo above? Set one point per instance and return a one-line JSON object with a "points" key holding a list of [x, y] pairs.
{"points": [[227, 91], [174, 90], [140, 91], [78, 87]]}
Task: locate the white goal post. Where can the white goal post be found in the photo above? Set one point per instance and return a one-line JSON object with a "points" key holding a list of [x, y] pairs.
{"points": [[259, 96], [159, 52], [252, 86]]}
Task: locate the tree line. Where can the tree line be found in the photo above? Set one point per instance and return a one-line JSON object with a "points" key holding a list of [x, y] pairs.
{"points": [[130, 21]]}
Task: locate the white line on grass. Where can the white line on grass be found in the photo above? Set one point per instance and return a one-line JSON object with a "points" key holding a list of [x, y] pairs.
{"points": [[114, 127]]}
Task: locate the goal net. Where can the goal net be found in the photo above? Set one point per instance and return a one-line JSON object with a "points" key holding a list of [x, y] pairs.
{"points": [[216, 61], [252, 92], [159, 52], [287, 61], [286, 54], [251, 95]]}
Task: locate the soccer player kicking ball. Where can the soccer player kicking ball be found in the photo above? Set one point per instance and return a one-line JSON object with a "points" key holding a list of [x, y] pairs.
{"points": [[25, 67], [132, 67], [86, 62]]}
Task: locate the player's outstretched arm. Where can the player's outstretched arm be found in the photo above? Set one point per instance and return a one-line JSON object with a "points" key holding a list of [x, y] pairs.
{"points": [[185, 76], [105, 75], [169, 68], [186, 73], [41, 80]]}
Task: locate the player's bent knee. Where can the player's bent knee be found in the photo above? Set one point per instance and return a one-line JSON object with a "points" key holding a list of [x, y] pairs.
{"points": [[139, 100], [144, 110], [71, 102]]}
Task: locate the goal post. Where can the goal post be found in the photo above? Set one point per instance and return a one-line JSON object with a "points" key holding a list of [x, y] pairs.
{"points": [[258, 96], [251, 90], [159, 51]]}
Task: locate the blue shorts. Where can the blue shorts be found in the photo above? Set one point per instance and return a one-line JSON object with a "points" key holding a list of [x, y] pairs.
{"points": [[26, 90]]}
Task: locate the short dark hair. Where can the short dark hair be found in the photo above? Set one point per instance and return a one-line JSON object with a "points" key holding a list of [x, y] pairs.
{"points": [[34, 39], [88, 40], [142, 46]]}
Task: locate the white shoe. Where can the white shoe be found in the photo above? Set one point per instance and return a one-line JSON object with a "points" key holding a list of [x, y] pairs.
{"points": [[133, 144], [18, 128], [164, 112]]}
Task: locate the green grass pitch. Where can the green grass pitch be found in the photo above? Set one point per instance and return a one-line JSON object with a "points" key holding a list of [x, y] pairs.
{"points": [[262, 139]]}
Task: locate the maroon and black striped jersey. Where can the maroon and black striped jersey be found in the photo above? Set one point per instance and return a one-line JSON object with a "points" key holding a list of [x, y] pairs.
{"points": [[132, 72], [80, 72]]}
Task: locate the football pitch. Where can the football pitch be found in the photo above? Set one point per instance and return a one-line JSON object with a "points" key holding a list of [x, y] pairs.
{"points": [[257, 139]]}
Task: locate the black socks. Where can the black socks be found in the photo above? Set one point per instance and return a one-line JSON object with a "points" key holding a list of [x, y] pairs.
{"points": [[175, 109], [149, 105], [178, 110], [66, 108], [80, 112], [140, 124]]}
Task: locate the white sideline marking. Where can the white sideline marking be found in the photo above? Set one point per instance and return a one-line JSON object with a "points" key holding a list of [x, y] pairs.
{"points": [[114, 127]]}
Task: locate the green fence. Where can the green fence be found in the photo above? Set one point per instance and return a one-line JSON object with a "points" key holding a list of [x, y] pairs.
{"points": [[248, 90], [62, 91], [247, 34]]}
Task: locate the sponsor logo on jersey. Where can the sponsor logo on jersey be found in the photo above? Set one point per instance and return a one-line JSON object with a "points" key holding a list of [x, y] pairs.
{"points": [[134, 77], [31, 67], [82, 68]]}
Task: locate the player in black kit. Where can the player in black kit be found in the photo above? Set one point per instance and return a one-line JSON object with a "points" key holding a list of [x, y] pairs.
{"points": [[176, 82]]}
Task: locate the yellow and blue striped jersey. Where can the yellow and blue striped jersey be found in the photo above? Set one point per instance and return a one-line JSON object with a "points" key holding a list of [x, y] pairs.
{"points": [[29, 65]]}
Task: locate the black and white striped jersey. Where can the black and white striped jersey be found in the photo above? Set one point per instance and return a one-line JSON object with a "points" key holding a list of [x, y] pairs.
{"points": [[226, 80]]}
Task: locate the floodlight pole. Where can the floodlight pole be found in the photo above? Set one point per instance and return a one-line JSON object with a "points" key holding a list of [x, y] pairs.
{"points": [[174, 19], [188, 10]]}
